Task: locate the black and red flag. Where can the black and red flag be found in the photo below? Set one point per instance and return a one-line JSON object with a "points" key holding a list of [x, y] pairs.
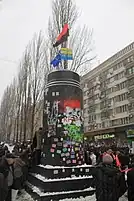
{"points": [[63, 36]]}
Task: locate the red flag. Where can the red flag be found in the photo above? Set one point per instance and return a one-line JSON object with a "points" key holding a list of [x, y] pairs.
{"points": [[62, 36]]}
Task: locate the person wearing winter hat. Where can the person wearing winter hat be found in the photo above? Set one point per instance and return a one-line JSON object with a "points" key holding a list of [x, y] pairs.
{"points": [[107, 180], [107, 159]]}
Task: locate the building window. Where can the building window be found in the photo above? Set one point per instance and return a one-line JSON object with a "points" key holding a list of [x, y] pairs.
{"points": [[130, 71], [121, 97], [130, 59], [120, 86], [119, 76], [119, 65], [121, 109], [86, 93], [124, 120], [120, 121]]}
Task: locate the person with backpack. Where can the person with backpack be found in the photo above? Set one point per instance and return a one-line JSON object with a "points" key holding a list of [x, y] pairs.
{"points": [[108, 180]]}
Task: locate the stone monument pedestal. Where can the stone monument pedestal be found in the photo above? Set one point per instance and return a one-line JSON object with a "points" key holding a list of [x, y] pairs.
{"points": [[63, 121], [62, 173]]}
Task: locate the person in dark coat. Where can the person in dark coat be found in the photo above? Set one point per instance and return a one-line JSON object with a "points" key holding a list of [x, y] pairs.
{"points": [[37, 146], [107, 180], [6, 172], [130, 181]]}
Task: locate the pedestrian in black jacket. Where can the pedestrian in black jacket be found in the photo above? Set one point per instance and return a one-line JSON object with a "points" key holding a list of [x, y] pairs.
{"points": [[107, 180], [130, 182], [6, 172]]}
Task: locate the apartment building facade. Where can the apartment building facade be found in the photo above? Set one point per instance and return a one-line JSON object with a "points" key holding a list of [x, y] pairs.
{"points": [[108, 96]]}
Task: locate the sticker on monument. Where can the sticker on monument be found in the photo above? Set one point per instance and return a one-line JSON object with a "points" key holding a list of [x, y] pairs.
{"points": [[74, 161], [54, 145], [72, 152], [52, 155], [64, 159], [72, 156], [55, 139], [68, 142], [79, 162], [67, 154], [77, 148], [65, 145], [73, 143], [87, 170], [55, 171], [52, 150], [59, 144], [64, 149], [59, 125], [62, 155], [65, 132], [68, 161], [58, 151]]}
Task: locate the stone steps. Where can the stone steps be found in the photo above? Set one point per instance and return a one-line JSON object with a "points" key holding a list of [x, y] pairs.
{"points": [[53, 172], [54, 183], [39, 195]]}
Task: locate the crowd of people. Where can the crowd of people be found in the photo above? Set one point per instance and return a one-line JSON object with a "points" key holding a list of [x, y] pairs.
{"points": [[15, 164], [113, 171], [13, 171]]}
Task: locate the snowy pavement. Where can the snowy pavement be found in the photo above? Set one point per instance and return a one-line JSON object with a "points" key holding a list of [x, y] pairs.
{"points": [[26, 197]]}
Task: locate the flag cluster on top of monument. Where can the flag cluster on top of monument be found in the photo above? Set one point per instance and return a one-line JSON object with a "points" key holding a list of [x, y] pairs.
{"points": [[64, 53]]}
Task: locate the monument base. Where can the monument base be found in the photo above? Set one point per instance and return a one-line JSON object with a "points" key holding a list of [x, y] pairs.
{"points": [[56, 183]]}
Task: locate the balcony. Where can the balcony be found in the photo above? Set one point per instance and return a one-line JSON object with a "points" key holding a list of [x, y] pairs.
{"points": [[131, 107], [130, 83], [130, 95], [129, 75]]}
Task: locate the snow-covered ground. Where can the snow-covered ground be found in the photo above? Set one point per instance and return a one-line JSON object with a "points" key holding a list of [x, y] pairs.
{"points": [[26, 197]]}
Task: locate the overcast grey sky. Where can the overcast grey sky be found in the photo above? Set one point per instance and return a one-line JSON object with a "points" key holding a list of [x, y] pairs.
{"points": [[111, 20]]}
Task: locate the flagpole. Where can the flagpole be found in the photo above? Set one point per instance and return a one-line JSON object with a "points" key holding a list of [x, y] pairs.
{"points": [[66, 62]]}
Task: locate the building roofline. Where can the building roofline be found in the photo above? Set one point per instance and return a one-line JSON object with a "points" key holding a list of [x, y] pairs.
{"points": [[111, 60]]}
